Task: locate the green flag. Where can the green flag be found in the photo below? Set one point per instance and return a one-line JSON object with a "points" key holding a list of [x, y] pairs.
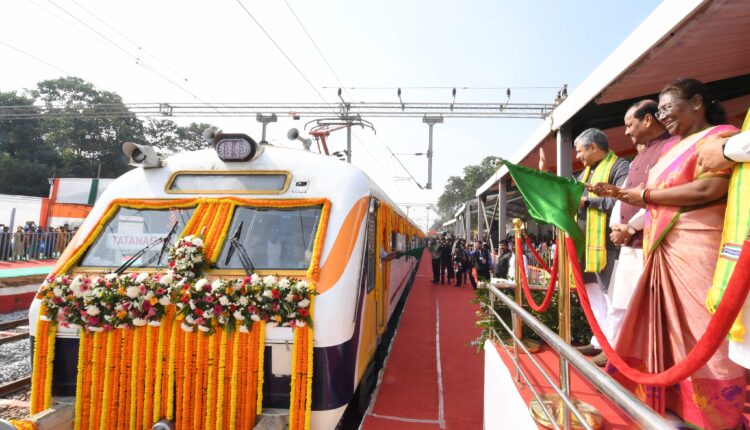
{"points": [[550, 199]]}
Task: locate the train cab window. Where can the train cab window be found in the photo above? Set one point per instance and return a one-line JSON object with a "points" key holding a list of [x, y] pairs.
{"points": [[224, 182], [273, 238], [130, 230]]}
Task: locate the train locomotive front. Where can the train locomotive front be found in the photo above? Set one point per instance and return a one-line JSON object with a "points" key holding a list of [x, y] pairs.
{"points": [[266, 217]]}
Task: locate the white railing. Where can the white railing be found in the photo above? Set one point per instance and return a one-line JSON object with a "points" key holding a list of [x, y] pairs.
{"points": [[624, 399]]}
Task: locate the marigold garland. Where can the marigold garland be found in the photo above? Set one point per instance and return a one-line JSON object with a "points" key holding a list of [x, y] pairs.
{"points": [[134, 365], [134, 391], [175, 351], [220, 380], [210, 382], [107, 384], [233, 372], [82, 339], [261, 347], [148, 379], [156, 412], [23, 424]]}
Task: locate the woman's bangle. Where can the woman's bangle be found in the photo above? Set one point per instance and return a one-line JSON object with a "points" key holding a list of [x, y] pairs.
{"points": [[643, 196], [647, 196]]}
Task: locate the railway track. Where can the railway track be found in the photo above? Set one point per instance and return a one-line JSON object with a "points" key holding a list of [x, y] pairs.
{"points": [[13, 324], [13, 386], [9, 332]]}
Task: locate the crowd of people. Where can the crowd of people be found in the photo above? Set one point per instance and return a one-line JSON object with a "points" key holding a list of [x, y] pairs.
{"points": [[653, 236], [30, 241]]}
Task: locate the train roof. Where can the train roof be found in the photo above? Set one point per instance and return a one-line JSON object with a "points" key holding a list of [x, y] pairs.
{"points": [[324, 177]]}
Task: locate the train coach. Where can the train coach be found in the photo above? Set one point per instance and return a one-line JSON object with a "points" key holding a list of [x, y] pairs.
{"points": [[212, 287]]}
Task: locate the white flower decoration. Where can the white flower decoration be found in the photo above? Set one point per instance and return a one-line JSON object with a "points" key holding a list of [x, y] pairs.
{"points": [[133, 292], [141, 277], [92, 310]]}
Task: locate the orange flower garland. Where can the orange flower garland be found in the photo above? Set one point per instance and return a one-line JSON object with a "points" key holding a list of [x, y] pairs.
{"points": [[23, 424], [83, 338], [137, 387]]}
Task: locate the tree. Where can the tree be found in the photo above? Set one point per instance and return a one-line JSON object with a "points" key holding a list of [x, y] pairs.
{"points": [[458, 190], [170, 138], [89, 146], [26, 161]]}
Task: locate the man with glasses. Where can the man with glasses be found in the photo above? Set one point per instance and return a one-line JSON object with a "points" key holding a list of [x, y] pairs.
{"points": [[627, 221], [601, 166]]}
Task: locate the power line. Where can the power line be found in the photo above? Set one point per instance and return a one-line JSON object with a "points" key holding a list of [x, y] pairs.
{"points": [[124, 51], [341, 85], [282, 51], [141, 48], [35, 58]]}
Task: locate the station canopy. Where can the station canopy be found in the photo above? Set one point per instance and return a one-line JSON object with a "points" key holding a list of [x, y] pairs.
{"points": [[706, 40]]}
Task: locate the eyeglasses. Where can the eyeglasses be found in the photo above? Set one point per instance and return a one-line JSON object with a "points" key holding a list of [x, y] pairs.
{"points": [[667, 109]]}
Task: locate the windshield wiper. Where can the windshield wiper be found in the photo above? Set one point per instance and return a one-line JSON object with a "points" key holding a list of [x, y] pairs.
{"points": [[234, 243], [163, 240]]}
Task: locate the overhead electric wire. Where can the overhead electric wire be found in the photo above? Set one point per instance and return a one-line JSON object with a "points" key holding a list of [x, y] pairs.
{"points": [[35, 58], [289, 59], [342, 86], [125, 51], [142, 49]]}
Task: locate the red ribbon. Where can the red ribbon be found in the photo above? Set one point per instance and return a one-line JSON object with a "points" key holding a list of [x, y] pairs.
{"points": [[525, 283], [718, 328]]}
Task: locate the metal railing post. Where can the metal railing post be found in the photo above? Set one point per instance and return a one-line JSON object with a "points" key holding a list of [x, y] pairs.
{"points": [[563, 318]]}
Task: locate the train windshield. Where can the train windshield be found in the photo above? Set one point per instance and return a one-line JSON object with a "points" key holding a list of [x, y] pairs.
{"points": [[130, 230], [273, 238]]}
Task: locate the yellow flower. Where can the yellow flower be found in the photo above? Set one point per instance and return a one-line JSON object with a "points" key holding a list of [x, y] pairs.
{"points": [[230, 290], [153, 301]]}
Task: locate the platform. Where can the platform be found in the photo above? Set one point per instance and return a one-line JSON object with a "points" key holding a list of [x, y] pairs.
{"points": [[433, 378], [19, 281]]}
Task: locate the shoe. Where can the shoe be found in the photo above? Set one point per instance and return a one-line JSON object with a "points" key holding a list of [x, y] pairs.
{"points": [[589, 350], [600, 360]]}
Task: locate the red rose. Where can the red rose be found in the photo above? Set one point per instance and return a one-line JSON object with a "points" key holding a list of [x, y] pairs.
{"points": [[276, 294], [303, 312]]}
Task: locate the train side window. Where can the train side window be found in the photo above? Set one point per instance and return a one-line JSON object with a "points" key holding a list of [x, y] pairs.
{"points": [[273, 238], [129, 231]]}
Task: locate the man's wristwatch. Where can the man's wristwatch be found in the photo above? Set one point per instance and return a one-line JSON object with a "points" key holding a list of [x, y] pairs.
{"points": [[631, 230]]}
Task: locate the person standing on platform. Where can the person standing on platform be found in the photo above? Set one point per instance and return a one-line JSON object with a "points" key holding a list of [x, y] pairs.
{"points": [[19, 244], [481, 260], [434, 249], [650, 137], [446, 263], [503, 260], [600, 255]]}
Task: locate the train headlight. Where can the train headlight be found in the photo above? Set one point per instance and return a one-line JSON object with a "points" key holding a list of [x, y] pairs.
{"points": [[236, 147]]}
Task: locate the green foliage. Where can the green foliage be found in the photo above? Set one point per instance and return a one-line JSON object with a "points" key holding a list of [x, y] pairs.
{"points": [[169, 137], [580, 331], [460, 189], [80, 145]]}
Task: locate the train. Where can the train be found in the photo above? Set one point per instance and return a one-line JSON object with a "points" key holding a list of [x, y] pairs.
{"points": [[284, 202]]}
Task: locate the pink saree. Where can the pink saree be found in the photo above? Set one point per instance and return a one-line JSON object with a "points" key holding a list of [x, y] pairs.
{"points": [[681, 246]]}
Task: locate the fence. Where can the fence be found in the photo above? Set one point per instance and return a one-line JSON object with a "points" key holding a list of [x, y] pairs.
{"points": [[33, 246], [640, 413]]}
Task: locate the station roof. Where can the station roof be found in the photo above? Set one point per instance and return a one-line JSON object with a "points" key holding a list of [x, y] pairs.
{"points": [[706, 40]]}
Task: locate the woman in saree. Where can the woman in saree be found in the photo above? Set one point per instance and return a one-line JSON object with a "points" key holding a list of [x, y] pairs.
{"points": [[681, 243]]}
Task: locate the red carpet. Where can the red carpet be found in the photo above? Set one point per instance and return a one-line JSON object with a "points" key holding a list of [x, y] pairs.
{"points": [[409, 396]]}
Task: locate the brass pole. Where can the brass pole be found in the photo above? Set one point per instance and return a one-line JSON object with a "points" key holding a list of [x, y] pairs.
{"points": [[518, 228], [563, 319]]}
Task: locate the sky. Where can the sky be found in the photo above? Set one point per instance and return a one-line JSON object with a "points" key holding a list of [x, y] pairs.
{"points": [[199, 51]]}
